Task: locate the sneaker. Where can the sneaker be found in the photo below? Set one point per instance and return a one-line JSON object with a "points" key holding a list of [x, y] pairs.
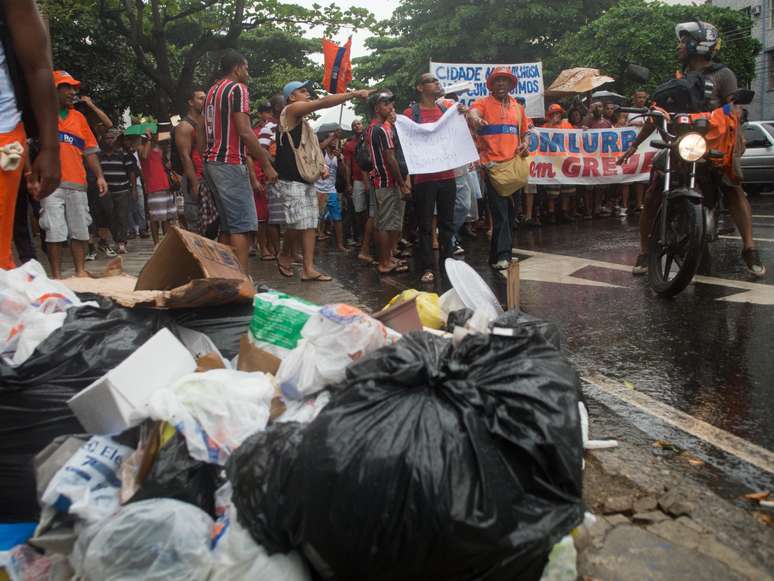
{"points": [[351, 242], [641, 266], [753, 261], [458, 250], [104, 247], [533, 223], [501, 265], [121, 248], [604, 212], [623, 212], [91, 256]]}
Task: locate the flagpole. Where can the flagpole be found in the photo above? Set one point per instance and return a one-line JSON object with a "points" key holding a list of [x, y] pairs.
{"points": [[341, 115]]}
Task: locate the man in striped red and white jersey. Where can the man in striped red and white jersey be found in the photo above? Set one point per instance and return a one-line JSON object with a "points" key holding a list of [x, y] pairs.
{"points": [[229, 139]]}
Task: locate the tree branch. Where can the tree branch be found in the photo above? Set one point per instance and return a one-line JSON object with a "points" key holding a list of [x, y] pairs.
{"points": [[191, 11]]}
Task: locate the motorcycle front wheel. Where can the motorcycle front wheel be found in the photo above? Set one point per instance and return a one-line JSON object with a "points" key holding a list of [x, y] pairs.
{"points": [[673, 261]]}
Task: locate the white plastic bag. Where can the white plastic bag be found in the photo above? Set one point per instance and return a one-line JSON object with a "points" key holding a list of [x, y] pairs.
{"points": [[238, 557], [154, 540], [88, 485], [306, 410], [216, 410], [331, 340], [32, 306]]}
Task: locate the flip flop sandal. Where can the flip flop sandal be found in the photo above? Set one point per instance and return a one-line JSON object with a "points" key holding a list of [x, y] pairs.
{"points": [[397, 269], [320, 277], [285, 271]]}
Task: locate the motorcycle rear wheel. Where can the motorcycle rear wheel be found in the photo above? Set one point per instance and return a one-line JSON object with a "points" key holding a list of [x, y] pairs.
{"points": [[673, 262]]}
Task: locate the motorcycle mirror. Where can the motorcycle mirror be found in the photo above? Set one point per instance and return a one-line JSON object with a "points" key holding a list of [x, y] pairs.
{"points": [[742, 96], [637, 73]]}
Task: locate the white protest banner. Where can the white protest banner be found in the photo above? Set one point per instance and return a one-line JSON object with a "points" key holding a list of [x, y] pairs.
{"points": [[435, 147], [586, 156], [529, 86]]}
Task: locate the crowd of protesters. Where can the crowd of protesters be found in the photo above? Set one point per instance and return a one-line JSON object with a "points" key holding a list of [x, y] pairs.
{"points": [[274, 189]]}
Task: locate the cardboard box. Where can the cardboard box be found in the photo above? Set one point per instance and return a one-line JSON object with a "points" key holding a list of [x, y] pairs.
{"points": [[116, 402], [253, 358], [186, 270], [402, 317]]}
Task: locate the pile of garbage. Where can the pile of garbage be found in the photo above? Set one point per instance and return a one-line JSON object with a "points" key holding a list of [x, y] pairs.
{"points": [[322, 444]]}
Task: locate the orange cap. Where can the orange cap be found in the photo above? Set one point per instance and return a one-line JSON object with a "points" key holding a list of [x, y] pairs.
{"points": [[555, 108], [65, 78], [500, 72]]}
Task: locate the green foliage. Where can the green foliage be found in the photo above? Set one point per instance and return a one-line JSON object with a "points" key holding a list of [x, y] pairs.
{"points": [[486, 31], [640, 32], [103, 63], [166, 47]]}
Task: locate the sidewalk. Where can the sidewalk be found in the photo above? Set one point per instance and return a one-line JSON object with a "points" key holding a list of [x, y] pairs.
{"points": [[657, 517]]}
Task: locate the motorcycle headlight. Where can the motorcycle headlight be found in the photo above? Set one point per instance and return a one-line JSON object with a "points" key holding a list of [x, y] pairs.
{"points": [[692, 147]]}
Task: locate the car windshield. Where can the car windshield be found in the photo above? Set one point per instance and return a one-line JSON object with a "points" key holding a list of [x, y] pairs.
{"points": [[769, 126]]}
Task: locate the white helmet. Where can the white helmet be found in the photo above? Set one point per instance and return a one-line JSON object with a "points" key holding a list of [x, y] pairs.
{"points": [[703, 37]]}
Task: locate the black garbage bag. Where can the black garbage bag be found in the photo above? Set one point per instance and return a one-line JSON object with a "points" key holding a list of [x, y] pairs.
{"points": [[458, 318], [176, 475], [429, 463], [33, 396], [224, 324]]}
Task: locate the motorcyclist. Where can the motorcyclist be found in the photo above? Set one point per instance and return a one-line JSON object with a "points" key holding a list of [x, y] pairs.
{"points": [[698, 42]]}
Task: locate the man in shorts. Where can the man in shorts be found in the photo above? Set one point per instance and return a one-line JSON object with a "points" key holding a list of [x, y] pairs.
{"points": [[64, 215], [229, 138], [160, 200], [391, 184], [353, 177]]}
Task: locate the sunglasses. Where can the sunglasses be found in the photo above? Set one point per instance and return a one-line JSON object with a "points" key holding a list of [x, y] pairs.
{"points": [[428, 81]]}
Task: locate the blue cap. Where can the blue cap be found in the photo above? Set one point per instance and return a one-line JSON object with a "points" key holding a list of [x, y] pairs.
{"points": [[294, 86]]}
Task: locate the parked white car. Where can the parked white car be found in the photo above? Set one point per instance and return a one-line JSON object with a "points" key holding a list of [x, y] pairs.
{"points": [[758, 159]]}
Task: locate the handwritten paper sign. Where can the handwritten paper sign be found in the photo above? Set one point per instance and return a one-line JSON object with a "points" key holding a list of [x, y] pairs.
{"points": [[435, 147]]}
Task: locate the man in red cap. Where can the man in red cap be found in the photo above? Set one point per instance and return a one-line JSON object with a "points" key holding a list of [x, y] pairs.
{"points": [[64, 215], [503, 125], [564, 193], [27, 109]]}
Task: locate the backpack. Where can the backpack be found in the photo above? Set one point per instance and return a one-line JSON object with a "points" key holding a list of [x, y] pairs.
{"points": [[688, 94], [174, 155], [415, 114], [363, 152], [309, 157]]}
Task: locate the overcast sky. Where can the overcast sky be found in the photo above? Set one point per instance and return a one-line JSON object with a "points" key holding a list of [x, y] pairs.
{"points": [[380, 8]]}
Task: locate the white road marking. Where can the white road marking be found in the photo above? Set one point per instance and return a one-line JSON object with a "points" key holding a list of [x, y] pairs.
{"points": [[734, 445], [559, 268], [739, 238]]}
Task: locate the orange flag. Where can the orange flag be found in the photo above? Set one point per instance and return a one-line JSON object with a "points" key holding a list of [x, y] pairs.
{"points": [[338, 68]]}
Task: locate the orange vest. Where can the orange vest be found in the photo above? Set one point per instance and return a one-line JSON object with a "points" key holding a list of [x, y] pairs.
{"points": [[723, 136]]}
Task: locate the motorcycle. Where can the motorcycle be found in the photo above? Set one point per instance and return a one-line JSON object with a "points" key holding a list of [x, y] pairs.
{"points": [[691, 199]]}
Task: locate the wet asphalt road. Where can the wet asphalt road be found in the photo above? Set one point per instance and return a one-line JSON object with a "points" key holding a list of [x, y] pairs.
{"points": [[705, 356]]}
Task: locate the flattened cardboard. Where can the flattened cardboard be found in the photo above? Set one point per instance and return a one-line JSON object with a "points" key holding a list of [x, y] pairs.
{"points": [[253, 358], [185, 271]]}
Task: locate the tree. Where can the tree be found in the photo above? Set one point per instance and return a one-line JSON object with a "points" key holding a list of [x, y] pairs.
{"points": [[103, 63], [643, 32], [484, 31], [169, 38]]}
